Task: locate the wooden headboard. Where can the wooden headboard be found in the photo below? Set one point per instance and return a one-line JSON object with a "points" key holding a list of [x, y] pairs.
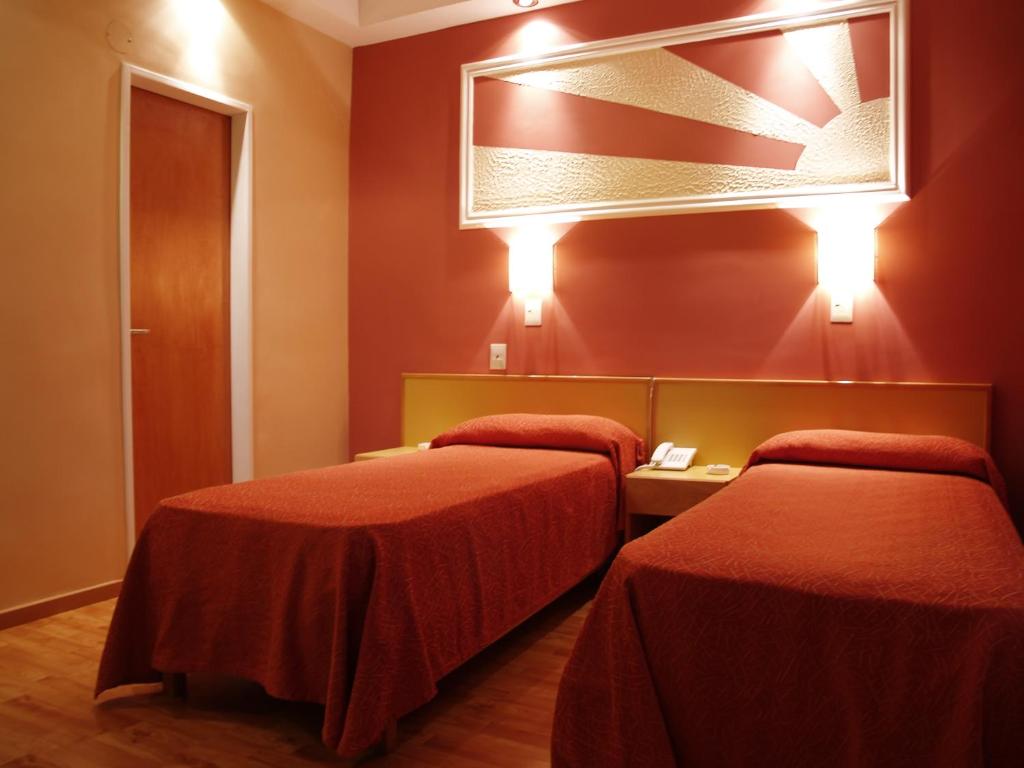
{"points": [[726, 419], [432, 403]]}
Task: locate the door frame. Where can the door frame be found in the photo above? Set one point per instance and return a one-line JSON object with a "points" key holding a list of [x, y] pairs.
{"points": [[240, 290]]}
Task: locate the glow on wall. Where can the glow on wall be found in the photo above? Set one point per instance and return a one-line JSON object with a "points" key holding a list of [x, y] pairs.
{"points": [[762, 111]]}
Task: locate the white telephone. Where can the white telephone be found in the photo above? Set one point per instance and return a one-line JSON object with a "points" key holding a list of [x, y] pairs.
{"points": [[667, 456]]}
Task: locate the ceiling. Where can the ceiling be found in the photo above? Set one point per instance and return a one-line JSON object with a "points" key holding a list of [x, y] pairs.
{"points": [[362, 22]]}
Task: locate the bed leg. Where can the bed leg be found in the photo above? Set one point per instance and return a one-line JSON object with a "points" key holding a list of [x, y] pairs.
{"points": [[176, 685]]}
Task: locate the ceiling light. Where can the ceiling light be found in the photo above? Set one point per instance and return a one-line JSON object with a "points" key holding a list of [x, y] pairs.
{"points": [[525, 3]]}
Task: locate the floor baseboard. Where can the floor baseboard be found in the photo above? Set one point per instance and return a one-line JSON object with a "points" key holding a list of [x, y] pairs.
{"points": [[22, 614]]}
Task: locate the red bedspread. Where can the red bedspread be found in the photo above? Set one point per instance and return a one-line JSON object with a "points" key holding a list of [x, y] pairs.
{"points": [[360, 586], [812, 615]]}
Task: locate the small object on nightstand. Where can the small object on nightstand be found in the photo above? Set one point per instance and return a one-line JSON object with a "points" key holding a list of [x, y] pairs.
{"points": [[668, 456], [718, 469]]}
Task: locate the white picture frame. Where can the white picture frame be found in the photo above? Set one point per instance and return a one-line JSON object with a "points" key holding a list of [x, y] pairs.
{"points": [[473, 214]]}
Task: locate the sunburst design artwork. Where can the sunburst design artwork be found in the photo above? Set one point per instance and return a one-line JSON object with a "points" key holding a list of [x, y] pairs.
{"points": [[747, 113]]}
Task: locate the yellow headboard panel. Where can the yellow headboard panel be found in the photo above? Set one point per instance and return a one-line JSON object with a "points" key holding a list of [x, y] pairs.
{"points": [[726, 419], [432, 403]]}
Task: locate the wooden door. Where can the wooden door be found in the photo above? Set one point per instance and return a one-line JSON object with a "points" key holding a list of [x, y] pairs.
{"points": [[180, 280]]}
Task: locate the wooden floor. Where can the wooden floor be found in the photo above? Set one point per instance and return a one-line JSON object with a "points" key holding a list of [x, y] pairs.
{"points": [[494, 711]]}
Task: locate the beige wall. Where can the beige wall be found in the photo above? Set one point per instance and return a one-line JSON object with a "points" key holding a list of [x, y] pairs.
{"points": [[62, 516]]}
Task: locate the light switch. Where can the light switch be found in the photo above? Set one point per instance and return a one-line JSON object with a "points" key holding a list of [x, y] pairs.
{"points": [[531, 310], [842, 307], [498, 352]]}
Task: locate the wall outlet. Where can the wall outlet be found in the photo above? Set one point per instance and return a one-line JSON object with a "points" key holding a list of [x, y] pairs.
{"points": [[498, 357]]}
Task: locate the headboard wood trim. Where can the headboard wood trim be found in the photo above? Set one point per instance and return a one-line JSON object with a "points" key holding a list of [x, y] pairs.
{"points": [[434, 402], [725, 419]]}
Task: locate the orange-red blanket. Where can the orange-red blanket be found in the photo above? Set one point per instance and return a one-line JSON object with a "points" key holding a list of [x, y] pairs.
{"points": [[823, 610], [360, 586]]}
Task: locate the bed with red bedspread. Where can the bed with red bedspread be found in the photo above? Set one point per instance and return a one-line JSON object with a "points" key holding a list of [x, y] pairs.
{"points": [[360, 586], [852, 599]]}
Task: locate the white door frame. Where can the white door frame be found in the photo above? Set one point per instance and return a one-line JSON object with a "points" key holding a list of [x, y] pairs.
{"points": [[241, 269]]}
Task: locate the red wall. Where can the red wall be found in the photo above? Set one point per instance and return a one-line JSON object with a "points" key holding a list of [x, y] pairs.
{"points": [[714, 294]]}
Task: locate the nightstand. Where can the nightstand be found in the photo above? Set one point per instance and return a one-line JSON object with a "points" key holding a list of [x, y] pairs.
{"points": [[386, 452], [655, 495]]}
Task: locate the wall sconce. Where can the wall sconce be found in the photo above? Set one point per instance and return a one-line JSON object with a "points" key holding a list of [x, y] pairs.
{"points": [[531, 267], [846, 266]]}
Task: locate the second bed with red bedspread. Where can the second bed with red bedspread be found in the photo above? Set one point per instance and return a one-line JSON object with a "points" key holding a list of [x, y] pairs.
{"points": [[851, 600], [360, 586]]}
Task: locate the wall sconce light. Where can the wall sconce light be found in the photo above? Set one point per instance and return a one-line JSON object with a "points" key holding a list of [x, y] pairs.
{"points": [[846, 266], [531, 267]]}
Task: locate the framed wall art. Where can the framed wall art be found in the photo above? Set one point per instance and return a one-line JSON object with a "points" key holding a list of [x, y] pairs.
{"points": [[768, 110]]}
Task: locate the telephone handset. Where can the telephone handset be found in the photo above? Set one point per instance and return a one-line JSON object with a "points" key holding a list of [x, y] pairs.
{"points": [[667, 456]]}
